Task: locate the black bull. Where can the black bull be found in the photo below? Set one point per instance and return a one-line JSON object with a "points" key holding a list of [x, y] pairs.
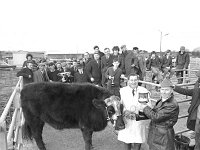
{"points": [[83, 106]]}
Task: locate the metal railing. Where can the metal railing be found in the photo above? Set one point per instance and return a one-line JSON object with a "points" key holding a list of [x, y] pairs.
{"points": [[13, 137]]}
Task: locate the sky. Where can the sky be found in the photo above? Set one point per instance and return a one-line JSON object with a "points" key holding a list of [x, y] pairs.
{"points": [[76, 26]]}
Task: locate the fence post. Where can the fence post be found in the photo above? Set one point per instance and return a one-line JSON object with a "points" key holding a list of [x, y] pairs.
{"points": [[17, 104], [3, 136]]}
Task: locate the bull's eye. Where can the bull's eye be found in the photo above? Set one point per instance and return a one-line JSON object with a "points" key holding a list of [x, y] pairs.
{"points": [[111, 110]]}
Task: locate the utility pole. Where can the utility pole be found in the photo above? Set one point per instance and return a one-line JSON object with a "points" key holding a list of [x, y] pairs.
{"points": [[161, 37]]}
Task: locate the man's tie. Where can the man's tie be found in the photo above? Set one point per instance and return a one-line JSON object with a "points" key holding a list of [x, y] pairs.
{"points": [[133, 92]]}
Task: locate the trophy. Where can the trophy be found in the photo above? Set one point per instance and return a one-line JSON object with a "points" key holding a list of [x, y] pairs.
{"points": [[143, 97], [112, 81]]}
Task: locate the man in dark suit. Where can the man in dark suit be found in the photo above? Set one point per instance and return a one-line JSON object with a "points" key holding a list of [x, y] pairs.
{"points": [[81, 76], [93, 69], [124, 55], [106, 62], [86, 58]]}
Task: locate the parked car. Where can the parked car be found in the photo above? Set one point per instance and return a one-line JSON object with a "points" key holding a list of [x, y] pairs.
{"points": [[5, 66]]}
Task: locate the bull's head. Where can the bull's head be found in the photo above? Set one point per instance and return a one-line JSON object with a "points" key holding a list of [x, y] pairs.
{"points": [[113, 109]]}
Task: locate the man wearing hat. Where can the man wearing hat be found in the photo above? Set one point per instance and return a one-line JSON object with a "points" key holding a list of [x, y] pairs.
{"points": [[163, 117], [182, 62], [40, 75], [193, 121]]}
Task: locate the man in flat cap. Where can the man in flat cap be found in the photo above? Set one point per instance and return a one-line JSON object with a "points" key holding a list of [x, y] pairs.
{"points": [[193, 121], [182, 62], [40, 75], [163, 117]]}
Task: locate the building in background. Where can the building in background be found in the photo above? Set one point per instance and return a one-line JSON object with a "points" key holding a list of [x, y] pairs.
{"points": [[55, 56], [20, 56]]}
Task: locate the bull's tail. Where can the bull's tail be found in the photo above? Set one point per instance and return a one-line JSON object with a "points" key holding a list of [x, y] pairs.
{"points": [[26, 131]]}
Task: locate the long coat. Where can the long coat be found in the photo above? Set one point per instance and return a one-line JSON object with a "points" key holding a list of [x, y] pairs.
{"points": [[106, 63], [182, 60], [163, 117], [93, 69], [39, 77], [192, 111], [129, 60]]}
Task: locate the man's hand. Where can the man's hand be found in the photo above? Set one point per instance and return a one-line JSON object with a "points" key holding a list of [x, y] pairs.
{"points": [[63, 80], [142, 106], [129, 115], [29, 76], [92, 79], [133, 65]]}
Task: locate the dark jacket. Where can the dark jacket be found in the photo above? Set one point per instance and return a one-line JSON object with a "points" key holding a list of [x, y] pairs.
{"points": [[93, 69], [182, 60], [195, 93], [121, 61], [163, 117], [166, 62], [87, 61], [153, 63], [129, 60], [53, 76], [25, 72], [81, 78], [116, 74], [106, 63], [38, 76], [124, 55], [142, 66]]}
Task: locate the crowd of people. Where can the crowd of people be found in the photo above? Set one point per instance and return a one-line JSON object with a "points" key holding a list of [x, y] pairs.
{"points": [[104, 68], [109, 70]]}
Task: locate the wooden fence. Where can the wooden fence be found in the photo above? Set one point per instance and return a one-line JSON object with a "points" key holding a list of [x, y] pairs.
{"points": [[13, 137]]}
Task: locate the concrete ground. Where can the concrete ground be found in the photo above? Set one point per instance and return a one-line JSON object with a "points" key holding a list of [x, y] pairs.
{"points": [[71, 139]]}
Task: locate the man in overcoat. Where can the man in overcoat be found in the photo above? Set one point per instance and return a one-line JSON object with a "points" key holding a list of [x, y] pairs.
{"points": [[40, 75], [193, 121], [163, 117], [106, 62], [93, 69], [182, 62]]}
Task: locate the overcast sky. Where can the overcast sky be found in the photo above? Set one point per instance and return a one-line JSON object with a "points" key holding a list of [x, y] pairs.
{"points": [[71, 26]]}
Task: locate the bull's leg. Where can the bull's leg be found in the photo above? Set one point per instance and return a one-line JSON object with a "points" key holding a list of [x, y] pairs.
{"points": [[37, 133], [87, 136]]}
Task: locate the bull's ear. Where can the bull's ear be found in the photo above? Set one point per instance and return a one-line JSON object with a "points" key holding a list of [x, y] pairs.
{"points": [[108, 101], [98, 103]]}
